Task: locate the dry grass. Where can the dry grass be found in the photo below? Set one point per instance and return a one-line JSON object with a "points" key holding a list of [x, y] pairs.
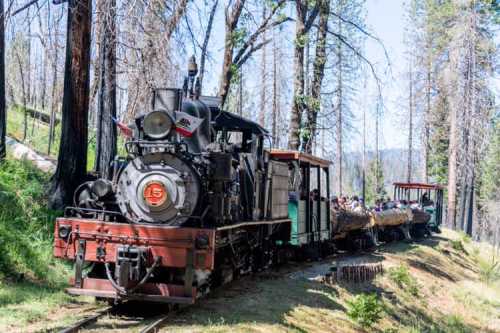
{"points": [[451, 298]]}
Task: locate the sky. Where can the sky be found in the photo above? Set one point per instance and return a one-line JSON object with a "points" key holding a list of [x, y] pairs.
{"points": [[385, 19]]}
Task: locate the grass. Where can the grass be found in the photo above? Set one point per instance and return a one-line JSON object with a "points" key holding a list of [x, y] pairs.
{"points": [[364, 309], [489, 269], [31, 280], [37, 135], [401, 276]]}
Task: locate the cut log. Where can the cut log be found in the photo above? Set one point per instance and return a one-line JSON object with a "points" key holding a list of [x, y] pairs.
{"points": [[20, 151]]}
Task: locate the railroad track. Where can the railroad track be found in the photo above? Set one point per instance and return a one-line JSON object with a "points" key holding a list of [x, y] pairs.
{"points": [[151, 324]]}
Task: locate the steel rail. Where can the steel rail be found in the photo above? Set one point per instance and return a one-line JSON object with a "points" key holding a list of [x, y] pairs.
{"points": [[87, 321]]}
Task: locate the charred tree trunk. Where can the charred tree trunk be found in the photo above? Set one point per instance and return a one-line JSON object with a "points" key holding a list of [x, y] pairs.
{"points": [[72, 159], [3, 116], [106, 108]]}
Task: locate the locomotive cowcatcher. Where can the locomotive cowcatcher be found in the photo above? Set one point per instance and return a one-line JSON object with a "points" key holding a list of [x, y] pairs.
{"points": [[196, 201]]}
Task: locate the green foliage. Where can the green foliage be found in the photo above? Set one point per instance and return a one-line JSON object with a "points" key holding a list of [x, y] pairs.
{"points": [[489, 270], [301, 40], [365, 309], [464, 238], [401, 276], [26, 225], [238, 36], [490, 180], [37, 134], [456, 324], [457, 245], [374, 182], [439, 142]]}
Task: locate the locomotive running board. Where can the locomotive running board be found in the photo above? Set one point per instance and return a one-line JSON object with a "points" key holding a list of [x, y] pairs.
{"points": [[252, 223], [151, 292], [132, 297]]}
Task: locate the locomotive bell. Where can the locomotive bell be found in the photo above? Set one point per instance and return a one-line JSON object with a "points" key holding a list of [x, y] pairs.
{"points": [[157, 124]]}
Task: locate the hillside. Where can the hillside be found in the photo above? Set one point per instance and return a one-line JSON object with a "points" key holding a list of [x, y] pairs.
{"points": [[430, 286], [443, 284], [394, 163]]}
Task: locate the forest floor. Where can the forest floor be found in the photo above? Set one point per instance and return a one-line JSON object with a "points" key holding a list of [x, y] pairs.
{"points": [[445, 283]]}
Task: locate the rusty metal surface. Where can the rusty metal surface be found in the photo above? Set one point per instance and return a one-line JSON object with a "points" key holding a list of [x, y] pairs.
{"points": [[102, 238], [156, 292]]}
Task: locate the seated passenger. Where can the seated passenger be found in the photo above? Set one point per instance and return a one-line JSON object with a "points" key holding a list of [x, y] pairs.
{"points": [[355, 202], [335, 204]]}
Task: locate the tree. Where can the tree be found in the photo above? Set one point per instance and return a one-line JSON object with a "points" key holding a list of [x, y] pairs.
{"points": [[374, 182], [204, 48], [305, 15], [318, 75], [3, 116], [240, 44], [106, 107], [72, 159]]}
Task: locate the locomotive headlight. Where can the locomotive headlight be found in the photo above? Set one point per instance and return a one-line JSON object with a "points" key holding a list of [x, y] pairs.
{"points": [[157, 124]]}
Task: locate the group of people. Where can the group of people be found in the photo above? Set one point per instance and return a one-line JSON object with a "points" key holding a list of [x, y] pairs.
{"points": [[357, 205], [354, 204]]}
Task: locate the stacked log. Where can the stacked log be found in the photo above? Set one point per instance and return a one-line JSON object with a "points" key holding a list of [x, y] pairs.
{"points": [[353, 273]]}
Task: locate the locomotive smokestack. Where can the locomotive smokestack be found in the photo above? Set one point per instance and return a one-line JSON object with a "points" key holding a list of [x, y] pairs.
{"points": [[192, 71], [192, 67]]}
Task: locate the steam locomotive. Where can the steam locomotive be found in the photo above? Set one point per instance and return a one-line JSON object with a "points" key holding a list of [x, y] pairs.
{"points": [[197, 201]]}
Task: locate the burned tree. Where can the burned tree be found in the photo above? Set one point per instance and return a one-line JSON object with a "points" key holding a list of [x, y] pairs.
{"points": [[106, 108], [72, 159]]}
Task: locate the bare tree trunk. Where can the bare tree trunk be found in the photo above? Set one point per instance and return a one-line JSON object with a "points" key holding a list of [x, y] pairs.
{"points": [[106, 109], [3, 116], [427, 115], [377, 152], [174, 20], [318, 75], [28, 64], [262, 111], [53, 103], [23, 86], [363, 177], [410, 129], [240, 93], [72, 159], [275, 92], [298, 104], [339, 111], [204, 48], [452, 169], [227, 63]]}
